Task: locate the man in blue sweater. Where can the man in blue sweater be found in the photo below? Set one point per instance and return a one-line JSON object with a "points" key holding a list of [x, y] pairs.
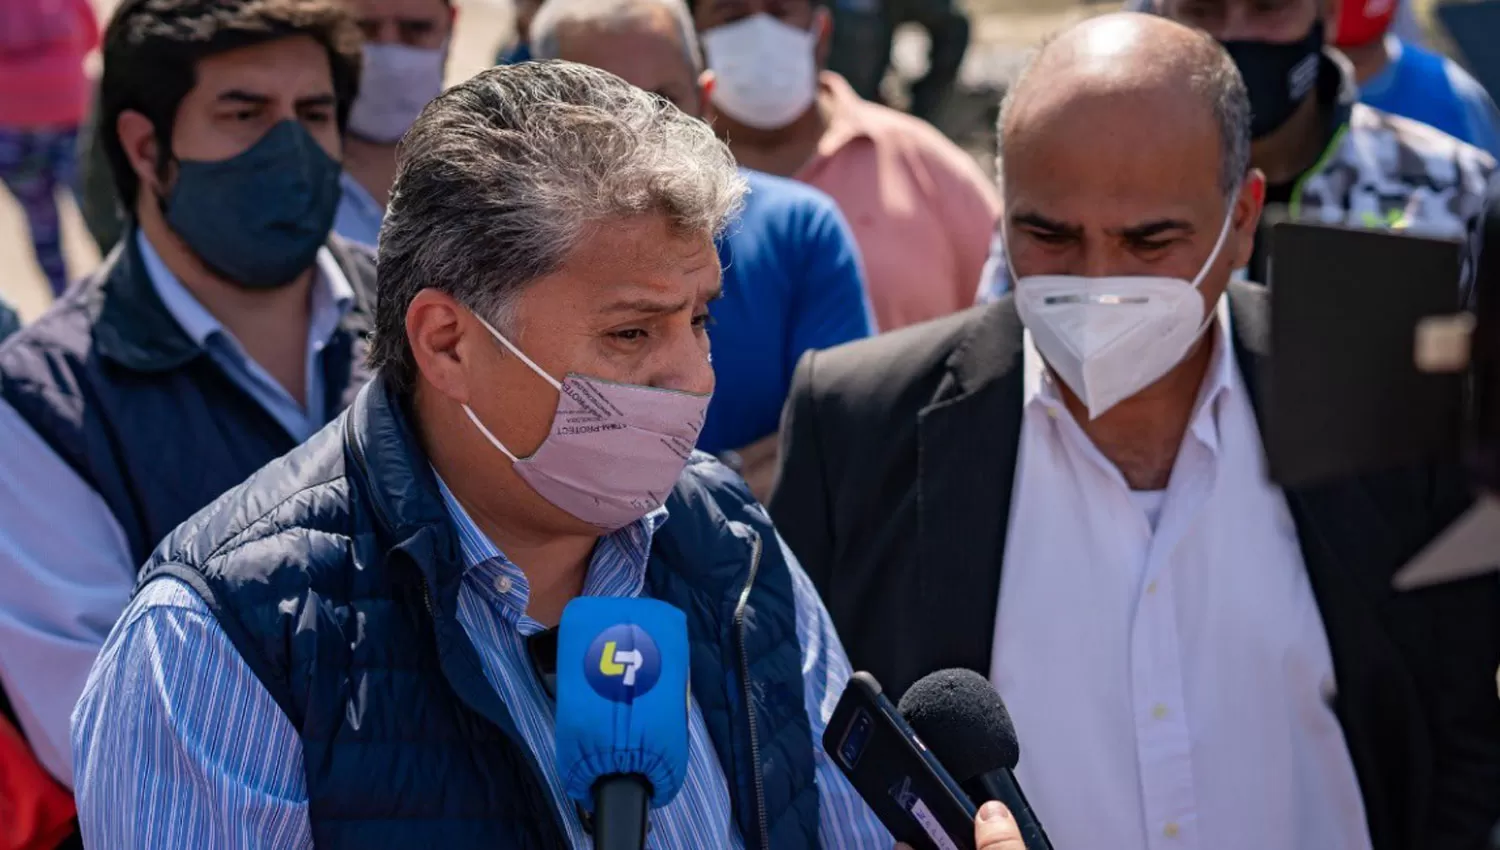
{"points": [[792, 275]]}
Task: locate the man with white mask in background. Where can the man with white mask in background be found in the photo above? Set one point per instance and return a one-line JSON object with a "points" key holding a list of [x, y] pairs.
{"points": [[921, 210], [405, 52], [792, 278], [1193, 656]]}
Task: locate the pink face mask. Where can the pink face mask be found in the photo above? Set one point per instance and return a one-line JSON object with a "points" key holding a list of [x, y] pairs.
{"points": [[614, 451]]}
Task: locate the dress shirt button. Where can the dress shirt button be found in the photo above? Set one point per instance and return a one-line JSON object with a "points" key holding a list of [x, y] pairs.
{"points": [[1151, 588], [1159, 711], [1051, 413], [503, 585], [1171, 830]]}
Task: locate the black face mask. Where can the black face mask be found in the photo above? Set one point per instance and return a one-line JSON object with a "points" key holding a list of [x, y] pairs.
{"points": [[1279, 76]]}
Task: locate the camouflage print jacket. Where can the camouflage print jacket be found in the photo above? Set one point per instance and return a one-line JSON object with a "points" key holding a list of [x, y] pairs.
{"points": [[1378, 170], [1381, 170]]}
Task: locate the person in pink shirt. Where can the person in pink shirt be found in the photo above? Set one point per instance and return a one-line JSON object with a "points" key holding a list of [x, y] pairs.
{"points": [[921, 209], [44, 94]]}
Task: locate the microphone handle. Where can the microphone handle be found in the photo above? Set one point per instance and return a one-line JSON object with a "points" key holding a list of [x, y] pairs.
{"points": [[620, 803], [1002, 785]]}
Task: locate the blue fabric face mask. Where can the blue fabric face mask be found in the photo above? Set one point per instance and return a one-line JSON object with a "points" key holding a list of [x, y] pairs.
{"points": [[258, 219]]}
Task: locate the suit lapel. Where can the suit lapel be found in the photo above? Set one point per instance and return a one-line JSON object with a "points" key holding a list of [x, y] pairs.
{"points": [[967, 440]]}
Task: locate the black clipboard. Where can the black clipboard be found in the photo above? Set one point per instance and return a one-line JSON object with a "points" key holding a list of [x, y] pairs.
{"points": [[1343, 394], [1475, 29]]}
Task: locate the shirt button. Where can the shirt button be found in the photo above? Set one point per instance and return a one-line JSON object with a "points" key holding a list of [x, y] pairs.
{"points": [[1159, 711], [1170, 830], [1151, 588], [503, 585]]}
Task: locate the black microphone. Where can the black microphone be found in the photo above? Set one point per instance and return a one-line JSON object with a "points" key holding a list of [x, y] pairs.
{"points": [[961, 719]]}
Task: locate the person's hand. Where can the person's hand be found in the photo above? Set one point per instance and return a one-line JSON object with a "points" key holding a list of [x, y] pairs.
{"points": [[994, 829]]}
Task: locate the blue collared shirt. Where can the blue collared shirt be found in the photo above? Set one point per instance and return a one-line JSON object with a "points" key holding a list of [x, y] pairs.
{"points": [[159, 736], [67, 568], [359, 215], [332, 297]]}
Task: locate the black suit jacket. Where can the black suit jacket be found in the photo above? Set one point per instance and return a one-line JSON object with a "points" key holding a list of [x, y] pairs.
{"points": [[898, 455]]}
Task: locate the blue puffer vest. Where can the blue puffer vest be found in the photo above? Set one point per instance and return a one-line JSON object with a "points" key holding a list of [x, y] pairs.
{"points": [[336, 574], [144, 416]]}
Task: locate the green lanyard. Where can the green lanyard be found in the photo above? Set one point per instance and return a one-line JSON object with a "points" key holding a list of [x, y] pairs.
{"points": [[1295, 207]]}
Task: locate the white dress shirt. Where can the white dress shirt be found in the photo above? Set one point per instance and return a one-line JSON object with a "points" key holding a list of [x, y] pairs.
{"points": [[1169, 675]]}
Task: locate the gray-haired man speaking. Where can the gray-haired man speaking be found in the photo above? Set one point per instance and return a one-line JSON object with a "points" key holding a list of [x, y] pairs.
{"points": [[335, 653]]}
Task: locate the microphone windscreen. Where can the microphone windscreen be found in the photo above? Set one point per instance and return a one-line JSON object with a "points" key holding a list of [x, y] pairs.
{"points": [[622, 695], [961, 718]]}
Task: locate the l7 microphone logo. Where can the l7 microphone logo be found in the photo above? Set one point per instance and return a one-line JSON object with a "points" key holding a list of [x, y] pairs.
{"points": [[616, 662], [622, 663]]}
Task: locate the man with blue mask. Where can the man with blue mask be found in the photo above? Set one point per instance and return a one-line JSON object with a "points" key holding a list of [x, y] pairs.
{"points": [[1193, 656], [367, 605], [405, 52], [224, 329]]}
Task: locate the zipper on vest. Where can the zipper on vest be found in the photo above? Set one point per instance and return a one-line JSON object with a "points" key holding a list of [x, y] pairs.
{"points": [[739, 627], [557, 825]]}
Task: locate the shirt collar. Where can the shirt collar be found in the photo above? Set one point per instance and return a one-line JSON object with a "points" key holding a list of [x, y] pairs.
{"points": [[1041, 391], [332, 297], [356, 193]]}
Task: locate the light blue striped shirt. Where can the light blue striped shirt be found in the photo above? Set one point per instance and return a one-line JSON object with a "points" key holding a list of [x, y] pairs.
{"points": [[176, 744]]}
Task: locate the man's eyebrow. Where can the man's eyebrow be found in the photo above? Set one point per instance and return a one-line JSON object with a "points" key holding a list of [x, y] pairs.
{"points": [[240, 96], [1041, 222], [324, 99], [1149, 229], [654, 307], [646, 305]]}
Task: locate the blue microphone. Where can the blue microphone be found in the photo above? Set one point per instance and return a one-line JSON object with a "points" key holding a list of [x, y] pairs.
{"points": [[622, 712]]}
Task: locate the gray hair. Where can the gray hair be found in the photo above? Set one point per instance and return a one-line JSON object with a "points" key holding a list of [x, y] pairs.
{"points": [[1212, 75], [503, 175], [555, 15]]}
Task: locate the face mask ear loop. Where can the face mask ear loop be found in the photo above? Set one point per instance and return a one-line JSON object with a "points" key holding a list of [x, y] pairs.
{"points": [[517, 352], [1208, 315], [524, 359], [487, 435]]}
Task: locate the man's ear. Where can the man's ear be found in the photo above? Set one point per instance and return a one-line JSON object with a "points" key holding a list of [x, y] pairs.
{"points": [[142, 150], [706, 83], [1247, 210], [1331, 10], [822, 24], [435, 331]]}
